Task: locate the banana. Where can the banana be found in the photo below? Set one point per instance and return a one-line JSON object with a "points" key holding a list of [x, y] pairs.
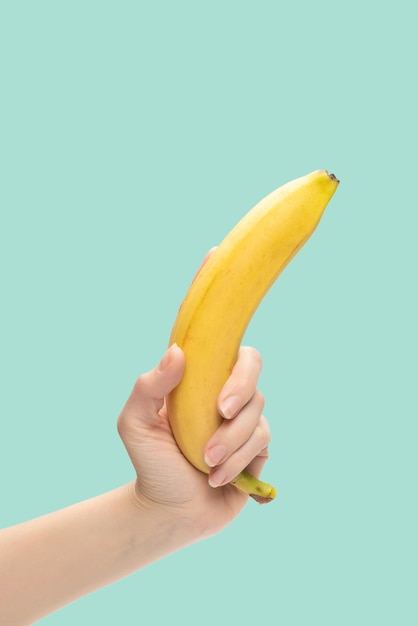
{"points": [[221, 301]]}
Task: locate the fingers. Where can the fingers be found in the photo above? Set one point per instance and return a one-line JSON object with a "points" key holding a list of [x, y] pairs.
{"points": [[242, 439], [150, 389], [242, 383], [251, 455]]}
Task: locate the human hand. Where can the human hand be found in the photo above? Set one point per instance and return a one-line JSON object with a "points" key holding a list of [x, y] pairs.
{"points": [[164, 478]]}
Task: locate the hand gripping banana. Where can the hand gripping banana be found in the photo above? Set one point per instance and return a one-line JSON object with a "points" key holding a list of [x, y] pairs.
{"points": [[221, 301]]}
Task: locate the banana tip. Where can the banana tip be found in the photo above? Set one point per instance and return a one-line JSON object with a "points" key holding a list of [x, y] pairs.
{"points": [[332, 177], [264, 498]]}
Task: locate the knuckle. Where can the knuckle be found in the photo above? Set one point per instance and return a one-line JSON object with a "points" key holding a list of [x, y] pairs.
{"points": [[255, 356], [140, 384], [266, 452], [264, 432], [260, 400]]}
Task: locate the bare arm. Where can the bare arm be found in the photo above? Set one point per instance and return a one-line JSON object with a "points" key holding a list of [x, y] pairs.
{"points": [[51, 561]]}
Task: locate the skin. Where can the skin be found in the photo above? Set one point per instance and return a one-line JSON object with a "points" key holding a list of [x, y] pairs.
{"points": [[48, 562]]}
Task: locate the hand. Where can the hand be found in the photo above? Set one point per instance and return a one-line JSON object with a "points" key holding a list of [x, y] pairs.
{"points": [[165, 478]]}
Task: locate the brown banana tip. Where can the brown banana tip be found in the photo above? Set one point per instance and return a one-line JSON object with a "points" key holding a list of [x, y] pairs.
{"points": [[332, 176], [264, 499], [261, 499]]}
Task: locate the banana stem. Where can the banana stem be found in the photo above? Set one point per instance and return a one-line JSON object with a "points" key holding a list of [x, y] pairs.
{"points": [[254, 487]]}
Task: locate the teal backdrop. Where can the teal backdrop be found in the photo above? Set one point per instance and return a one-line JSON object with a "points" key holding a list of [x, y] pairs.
{"points": [[133, 136]]}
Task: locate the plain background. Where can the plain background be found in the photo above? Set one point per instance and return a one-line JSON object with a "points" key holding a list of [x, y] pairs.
{"points": [[133, 136]]}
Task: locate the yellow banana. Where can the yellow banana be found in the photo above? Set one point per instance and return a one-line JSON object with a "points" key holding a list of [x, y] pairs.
{"points": [[221, 301]]}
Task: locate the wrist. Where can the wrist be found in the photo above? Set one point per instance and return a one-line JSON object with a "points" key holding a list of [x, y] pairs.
{"points": [[168, 527]]}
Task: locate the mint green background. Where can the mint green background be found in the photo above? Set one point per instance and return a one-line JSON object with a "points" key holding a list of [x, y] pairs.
{"points": [[132, 137]]}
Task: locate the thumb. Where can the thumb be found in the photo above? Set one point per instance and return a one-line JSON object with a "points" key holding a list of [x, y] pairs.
{"points": [[150, 389]]}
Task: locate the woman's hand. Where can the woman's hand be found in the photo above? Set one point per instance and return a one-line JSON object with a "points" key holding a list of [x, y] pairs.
{"points": [[165, 478]]}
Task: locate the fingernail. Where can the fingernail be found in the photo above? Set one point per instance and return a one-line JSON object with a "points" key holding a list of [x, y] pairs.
{"points": [[217, 478], [230, 406], [215, 455], [165, 361]]}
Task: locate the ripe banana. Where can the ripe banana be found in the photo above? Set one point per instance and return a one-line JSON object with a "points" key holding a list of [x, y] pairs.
{"points": [[223, 297]]}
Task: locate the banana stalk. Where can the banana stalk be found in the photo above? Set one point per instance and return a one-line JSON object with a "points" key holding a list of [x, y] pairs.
{"points": [[221, 301]]}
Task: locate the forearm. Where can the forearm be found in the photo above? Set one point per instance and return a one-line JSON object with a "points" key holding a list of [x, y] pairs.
{"points": [[51, 561]]}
